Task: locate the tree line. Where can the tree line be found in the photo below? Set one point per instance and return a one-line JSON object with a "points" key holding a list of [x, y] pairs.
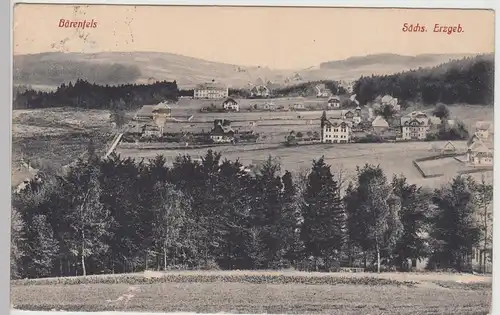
{"points": [[309, 89], [119, 215], [468, 80], [85, 95]]}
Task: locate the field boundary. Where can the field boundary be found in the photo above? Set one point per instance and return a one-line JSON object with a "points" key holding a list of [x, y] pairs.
{"points": [[231, 277]]}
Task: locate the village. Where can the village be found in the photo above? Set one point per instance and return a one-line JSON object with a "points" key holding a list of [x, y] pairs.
{"points": [[323, 120]]}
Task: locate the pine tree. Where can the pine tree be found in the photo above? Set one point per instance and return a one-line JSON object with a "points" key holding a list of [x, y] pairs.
{"points": [[324, 217], [42, 248], [413, 216]]}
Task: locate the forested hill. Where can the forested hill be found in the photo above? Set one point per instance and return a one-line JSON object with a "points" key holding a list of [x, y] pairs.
{"points": [[469, 80]]}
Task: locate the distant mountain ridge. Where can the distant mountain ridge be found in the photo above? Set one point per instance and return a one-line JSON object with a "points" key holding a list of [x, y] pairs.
{"points": [[422, 60], [50, 69]]}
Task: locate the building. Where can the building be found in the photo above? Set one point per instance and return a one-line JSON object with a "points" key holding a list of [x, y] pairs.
{"points": [[211, 91], [321, 91], [269, 106], [334, 102], [152, 131], [22, 177], [222, 132], [260, 91], [484, 129], [161, 113], [380, 125], [298, 106], [336, 131], [448, 148], [231, 105], [480, 150], [414, 129]]}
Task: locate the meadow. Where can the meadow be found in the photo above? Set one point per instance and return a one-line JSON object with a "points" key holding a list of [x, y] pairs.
{"points": [[298, 294]]}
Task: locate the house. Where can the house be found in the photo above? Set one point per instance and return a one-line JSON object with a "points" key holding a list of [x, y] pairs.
{"points": [[152, 131], [298, 106], [448, 148], [336, 131], [480, 150], [380, 125], [388, 100], [334, 102], [222, 132], [269, 106], [321, 91], [414, 129], [211, 90], [484, 129], [260, 91], [420, 116], [231, 105], [434, 121], [22, 177]]}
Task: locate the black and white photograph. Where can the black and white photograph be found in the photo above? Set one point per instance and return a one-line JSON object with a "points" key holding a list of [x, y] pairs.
{"points": [[252, 160]]}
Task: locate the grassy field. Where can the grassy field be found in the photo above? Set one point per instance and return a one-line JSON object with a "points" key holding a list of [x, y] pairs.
{"points": [[51, 138], [427, 294], [394, 158]]}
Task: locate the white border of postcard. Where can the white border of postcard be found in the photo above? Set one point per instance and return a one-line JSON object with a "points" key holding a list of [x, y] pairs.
{"points": [[7, 97]]}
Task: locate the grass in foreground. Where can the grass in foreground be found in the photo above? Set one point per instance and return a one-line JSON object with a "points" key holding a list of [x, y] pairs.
{"points": [[253, 292], [253, 298]]}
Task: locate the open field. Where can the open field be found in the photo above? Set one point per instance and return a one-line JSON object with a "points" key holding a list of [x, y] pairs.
{"points": [[429, 294], [442, 166], [394, 158], [57, 121]]}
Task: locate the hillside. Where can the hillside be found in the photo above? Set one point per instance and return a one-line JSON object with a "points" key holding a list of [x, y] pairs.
{"points": [[468, 80], [392, 60], [48, 70]]}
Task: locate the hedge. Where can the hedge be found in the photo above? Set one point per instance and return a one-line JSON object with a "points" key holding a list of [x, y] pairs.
{"points": [[197, 278]]}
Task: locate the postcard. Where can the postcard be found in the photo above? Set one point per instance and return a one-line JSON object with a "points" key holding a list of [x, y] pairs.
{"points": [[239, 159]]}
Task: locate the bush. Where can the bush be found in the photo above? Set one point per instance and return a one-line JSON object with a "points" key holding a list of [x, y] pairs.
{"points": [[260, 278]]}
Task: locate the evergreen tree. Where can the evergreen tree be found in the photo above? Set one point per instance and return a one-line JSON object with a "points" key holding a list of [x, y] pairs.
{"points": [[324, 216], [413, 216]]}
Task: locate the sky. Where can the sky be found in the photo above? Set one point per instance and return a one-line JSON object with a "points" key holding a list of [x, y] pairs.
{"points": [[274, 37]]}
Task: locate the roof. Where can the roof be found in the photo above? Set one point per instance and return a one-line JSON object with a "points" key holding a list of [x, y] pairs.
{"points": [[162, 107], [222, 131], [19, 176], [334, 99], [476, 142], [230, 100], [379, 121], [145, 111], [386, 99], [408, 122], [211, 86], [337, 122], [484, 125], [449, 145]]}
